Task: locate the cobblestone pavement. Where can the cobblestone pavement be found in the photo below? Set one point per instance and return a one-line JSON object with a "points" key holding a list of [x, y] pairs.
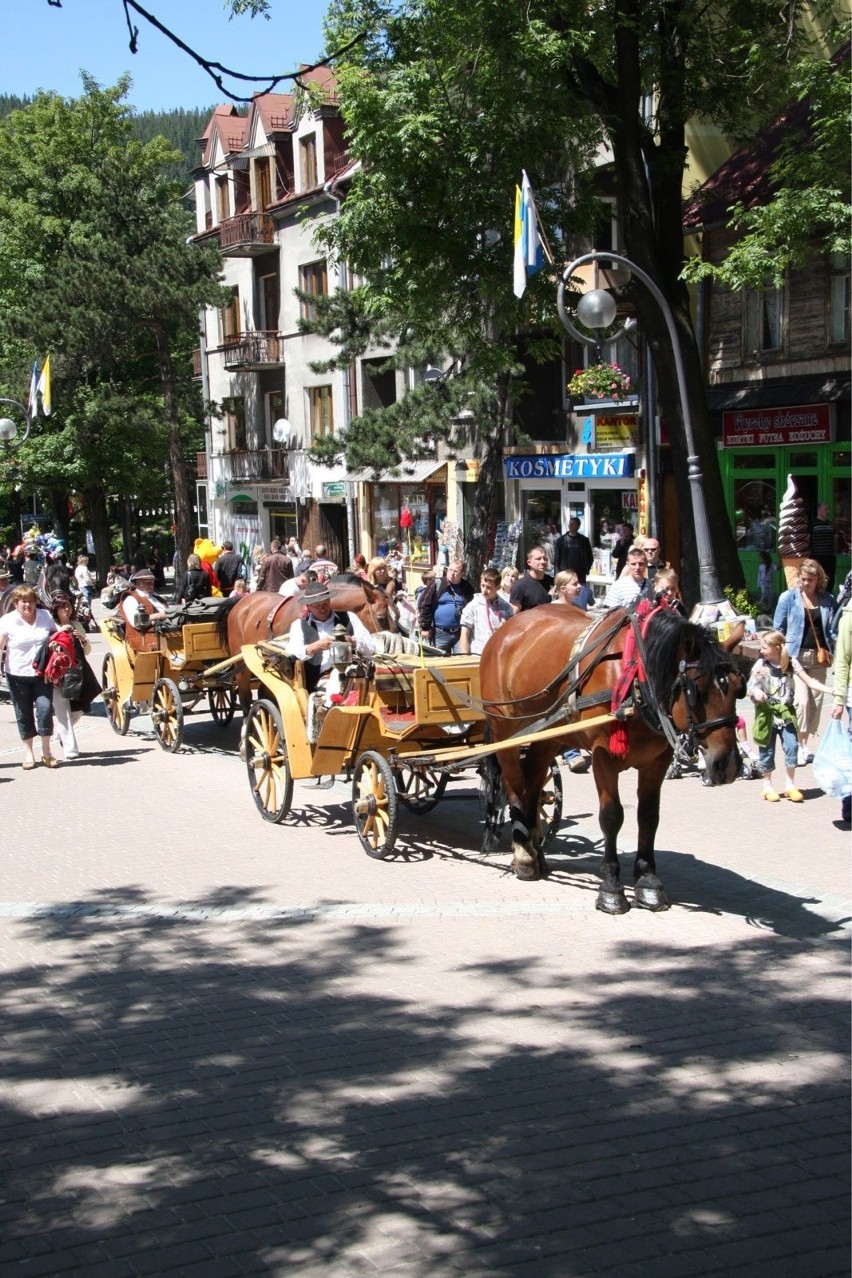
{"points": [[235, 1048]]}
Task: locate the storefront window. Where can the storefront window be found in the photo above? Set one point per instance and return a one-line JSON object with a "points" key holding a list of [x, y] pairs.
{"points": [[428, 506], [542, 522], [755, 505]]}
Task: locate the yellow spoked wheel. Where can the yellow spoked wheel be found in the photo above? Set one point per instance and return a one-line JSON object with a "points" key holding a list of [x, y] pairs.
{"points": [[222, 702], [374, 804], [167, 714], [550, 806], [420, 788], [266, 762], [119, 720]]}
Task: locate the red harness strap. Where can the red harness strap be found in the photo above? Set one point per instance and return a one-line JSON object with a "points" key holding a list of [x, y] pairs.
{"points": [[632, 668]]}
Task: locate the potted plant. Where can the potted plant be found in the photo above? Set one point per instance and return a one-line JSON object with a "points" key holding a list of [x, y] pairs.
{"points": [[600, 381]]}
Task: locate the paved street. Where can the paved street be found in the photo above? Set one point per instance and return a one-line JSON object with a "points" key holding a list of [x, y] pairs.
{"points": [[235, 1048]]}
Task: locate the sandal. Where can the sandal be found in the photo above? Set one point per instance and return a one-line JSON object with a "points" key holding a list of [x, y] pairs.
{"points": [[28, 765], [49, 761]]}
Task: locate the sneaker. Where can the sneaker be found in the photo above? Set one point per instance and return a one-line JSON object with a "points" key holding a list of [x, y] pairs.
{"points": [[578, 763], [771, 796], [71, 754], [802, 757], [794, 795]]}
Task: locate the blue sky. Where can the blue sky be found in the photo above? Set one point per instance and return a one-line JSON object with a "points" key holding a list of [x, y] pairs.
{"points": [[45, 47]]}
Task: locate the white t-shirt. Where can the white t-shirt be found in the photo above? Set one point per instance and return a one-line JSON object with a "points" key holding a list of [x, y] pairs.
{"points": [[23, 640], [83, 577], [289, 588], [366, 644]]}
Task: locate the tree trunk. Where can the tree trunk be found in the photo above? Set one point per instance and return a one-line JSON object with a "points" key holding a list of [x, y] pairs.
{"points": [[183, 507], [101, 530], [490, 457]]}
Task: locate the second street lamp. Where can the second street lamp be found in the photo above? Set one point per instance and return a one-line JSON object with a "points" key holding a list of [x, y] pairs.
{"points": [[596, 310]]}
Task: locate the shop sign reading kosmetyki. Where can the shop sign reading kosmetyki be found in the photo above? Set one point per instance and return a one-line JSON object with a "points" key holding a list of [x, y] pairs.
{"points": [[570, 466]]}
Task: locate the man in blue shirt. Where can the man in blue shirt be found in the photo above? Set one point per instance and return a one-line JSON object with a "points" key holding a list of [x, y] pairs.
{"points": [[441, 608]]}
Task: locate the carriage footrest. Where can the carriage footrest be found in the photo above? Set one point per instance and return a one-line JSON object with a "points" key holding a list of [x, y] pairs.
{"points": [[397, 720]]}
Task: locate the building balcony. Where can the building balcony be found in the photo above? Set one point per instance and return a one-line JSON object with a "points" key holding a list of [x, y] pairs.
{"points": [[258, 465], [201, 465], [196, 362], [247, 235], [257, 350]]}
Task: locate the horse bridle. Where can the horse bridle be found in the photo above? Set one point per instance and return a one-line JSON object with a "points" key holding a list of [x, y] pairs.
{"points": [[684, 743]]}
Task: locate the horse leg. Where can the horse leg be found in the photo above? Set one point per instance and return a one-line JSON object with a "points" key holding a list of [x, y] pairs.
{"points": [[648, 891], [242, 683], [611, 898], [523, 784]]}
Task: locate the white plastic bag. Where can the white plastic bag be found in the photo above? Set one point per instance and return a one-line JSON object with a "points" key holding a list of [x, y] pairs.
{"points": [[833, 761]]}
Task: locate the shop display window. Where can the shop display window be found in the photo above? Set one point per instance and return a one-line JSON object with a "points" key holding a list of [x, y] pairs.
{"points": [[428, 506]]}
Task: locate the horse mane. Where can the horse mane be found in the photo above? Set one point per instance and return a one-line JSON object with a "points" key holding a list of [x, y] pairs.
{"points": [[668, 634], [346, 579]]}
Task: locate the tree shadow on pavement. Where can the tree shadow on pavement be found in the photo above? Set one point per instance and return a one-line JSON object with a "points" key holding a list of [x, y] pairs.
{"points": [[212, 1089]]}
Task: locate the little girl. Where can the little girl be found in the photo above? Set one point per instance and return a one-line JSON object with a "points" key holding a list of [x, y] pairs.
{"points": [[771, 688]]}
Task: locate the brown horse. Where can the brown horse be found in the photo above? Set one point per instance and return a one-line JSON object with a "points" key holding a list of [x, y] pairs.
{"points": [[534, 673], [261, 616]]}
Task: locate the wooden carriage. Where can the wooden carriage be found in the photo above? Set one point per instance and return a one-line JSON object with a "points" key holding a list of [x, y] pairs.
{"points": [[188, 664], [403, 726]]}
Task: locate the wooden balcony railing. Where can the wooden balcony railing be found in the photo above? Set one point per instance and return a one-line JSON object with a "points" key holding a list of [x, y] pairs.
{"points": [[196, 362], [254, 350], [255, 465], [245, 232], [201, 465]]}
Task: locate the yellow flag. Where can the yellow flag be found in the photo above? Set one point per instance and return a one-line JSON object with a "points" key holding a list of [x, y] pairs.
{"points": [[43, 387]]}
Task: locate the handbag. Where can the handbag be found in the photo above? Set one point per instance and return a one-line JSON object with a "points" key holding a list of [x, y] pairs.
{"points": [[832, 765], [823, 656], [71, 683]]}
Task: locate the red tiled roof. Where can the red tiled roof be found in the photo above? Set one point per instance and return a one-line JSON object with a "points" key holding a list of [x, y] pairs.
{"points": [[744, 177]]}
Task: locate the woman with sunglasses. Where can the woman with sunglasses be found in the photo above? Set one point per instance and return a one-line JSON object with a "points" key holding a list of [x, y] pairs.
{"points": [[803, 615]]}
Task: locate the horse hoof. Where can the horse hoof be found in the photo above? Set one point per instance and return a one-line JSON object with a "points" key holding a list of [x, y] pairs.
{"points": [[612, 902], [526, 871], [651, 896]]}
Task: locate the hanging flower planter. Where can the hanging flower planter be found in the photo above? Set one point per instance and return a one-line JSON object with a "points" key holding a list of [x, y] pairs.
{"points": [[600, 381]]}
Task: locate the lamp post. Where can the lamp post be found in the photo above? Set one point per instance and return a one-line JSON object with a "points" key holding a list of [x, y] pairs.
{"points": [[9, 428], [596, 310]]}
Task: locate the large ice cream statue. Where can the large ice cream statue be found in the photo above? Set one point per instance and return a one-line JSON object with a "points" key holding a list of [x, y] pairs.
{"points": [[793, 537]]}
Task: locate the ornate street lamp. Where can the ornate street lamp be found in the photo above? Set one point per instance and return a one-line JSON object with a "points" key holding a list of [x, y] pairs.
{"points": [[9, 437], [596, 310]]}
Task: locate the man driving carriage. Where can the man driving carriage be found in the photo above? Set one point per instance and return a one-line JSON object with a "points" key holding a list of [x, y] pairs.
{"points": [[311, 641], [140, 608]]}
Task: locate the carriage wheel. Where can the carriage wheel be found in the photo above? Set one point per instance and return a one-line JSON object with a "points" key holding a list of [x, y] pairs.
{"points": [[266, 761], [374, 804], [550, 805], [119, 720], [223, 703], [167, 714], [419, 787]]}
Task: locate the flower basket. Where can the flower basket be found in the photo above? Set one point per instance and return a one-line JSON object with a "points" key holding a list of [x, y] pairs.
{"points": [[600, 381]]}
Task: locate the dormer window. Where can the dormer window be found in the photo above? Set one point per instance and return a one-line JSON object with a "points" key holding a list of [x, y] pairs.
{"points": [[308, 149]]}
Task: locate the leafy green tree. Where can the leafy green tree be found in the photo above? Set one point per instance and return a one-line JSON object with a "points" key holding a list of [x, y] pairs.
{"points": [[445, 102], [95, 268]]}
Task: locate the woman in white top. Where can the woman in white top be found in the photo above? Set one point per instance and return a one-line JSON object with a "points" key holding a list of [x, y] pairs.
{"points": [[22, 634]]}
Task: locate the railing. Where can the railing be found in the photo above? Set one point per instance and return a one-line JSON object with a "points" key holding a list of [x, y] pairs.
{"points": [[244, 350], [246, 229], [255, 464], [196, 362], [201, 465]]}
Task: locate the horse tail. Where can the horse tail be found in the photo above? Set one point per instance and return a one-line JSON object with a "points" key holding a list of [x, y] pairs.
{"points": [[493, 800], [222, 620]]}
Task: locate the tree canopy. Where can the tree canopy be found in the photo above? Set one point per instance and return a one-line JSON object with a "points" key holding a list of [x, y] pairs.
{"points": [[95, 269], [446, 102]]}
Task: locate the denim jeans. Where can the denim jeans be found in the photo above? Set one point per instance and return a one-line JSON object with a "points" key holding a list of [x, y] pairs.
{"points": [[446, 640], [32, 701], [789, 744]]}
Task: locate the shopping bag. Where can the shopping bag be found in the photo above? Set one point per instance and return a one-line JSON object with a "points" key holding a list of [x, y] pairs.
{"points": [[833, 761]]}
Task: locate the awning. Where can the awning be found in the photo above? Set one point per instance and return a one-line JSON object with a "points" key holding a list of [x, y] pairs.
{"points": [[413, 472], [820, 388], [241, 161]]}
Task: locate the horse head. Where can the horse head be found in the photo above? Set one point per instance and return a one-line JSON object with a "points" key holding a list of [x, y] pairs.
{"points": [[702, 691]]}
